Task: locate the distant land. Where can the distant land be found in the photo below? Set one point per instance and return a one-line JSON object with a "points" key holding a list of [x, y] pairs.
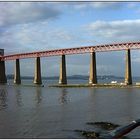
{"points": [[82, 77]]}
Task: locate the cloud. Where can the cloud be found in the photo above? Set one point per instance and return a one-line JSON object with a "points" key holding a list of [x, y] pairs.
{"points": [[98, 5], [12, 13], [20, 23], [41, 36], [31, 31], [25, 12], [112, 5], [33, 37], [132, 5], [121, 30], [135, 6]]}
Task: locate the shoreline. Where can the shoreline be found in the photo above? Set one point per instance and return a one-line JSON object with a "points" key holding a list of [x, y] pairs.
{"points": [[78, 85], [94, 86]]}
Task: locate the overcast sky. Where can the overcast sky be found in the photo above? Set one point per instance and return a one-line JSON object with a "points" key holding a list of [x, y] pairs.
{"points": [[38, 26]]}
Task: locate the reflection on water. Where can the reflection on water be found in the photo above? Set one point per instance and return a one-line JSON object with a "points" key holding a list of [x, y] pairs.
{"points": [[19, 97], [38, 97], [63, 96], [3, 99], [43, 112]]}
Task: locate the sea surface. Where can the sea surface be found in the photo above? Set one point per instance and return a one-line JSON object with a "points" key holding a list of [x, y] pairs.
{"points": [[28, 111]]}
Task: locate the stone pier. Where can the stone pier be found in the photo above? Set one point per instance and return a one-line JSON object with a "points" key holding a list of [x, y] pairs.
{"points": [[17, 79], [37, 76], [63, 77], [3, 78], [128, 76], [92, 74]]}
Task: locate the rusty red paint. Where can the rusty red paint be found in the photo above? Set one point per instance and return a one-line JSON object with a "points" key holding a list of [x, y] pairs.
{"points": [[70, 51]]}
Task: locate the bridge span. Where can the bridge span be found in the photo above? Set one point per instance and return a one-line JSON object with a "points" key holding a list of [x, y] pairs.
{"points": [[69, 51]]}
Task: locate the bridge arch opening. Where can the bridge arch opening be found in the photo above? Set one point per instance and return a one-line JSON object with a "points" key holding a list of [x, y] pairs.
{"points": [[110, 66], [135, 64], [78, 68], [9, 71], [50, 70]]}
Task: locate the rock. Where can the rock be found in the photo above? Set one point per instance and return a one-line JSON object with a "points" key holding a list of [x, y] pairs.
{"points": [[89, 134], [104, 125]]}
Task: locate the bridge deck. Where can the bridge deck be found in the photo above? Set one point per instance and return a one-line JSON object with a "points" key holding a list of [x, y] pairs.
{"points": [[70, 51]]}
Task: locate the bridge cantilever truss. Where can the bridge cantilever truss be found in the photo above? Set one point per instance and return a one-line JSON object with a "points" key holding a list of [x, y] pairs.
{"points": [[69, 51], [78, 50]]}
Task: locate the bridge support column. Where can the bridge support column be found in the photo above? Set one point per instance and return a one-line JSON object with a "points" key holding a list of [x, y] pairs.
{"points": [[128, 76], [37, 76], [92, 74], [3, 78], [62, 76], [17, 79]]}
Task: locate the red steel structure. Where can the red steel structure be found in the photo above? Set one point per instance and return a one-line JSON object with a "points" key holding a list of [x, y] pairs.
{"points": [[78, 50]]}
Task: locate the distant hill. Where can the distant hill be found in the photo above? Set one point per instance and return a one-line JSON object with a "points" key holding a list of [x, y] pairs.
{"points": [[83, 77]]}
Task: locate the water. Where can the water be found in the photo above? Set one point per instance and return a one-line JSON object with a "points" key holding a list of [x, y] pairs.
{"points": [[43, 112]]}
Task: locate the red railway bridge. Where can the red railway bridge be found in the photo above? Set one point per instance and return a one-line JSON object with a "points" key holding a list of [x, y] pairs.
{"points": [[69, 51]]}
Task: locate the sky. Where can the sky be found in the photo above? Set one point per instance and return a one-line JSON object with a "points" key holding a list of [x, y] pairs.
{"points": [[39, 26]]}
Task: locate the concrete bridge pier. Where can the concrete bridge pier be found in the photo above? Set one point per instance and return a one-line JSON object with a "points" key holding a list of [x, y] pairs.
{"points": [[3, 78], [128, 75], [92, 74], [17, 79], [37, 76], [62, 76]]}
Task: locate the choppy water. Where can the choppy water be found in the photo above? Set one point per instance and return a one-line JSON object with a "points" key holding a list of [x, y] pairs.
{"points": [[43, 112]]}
